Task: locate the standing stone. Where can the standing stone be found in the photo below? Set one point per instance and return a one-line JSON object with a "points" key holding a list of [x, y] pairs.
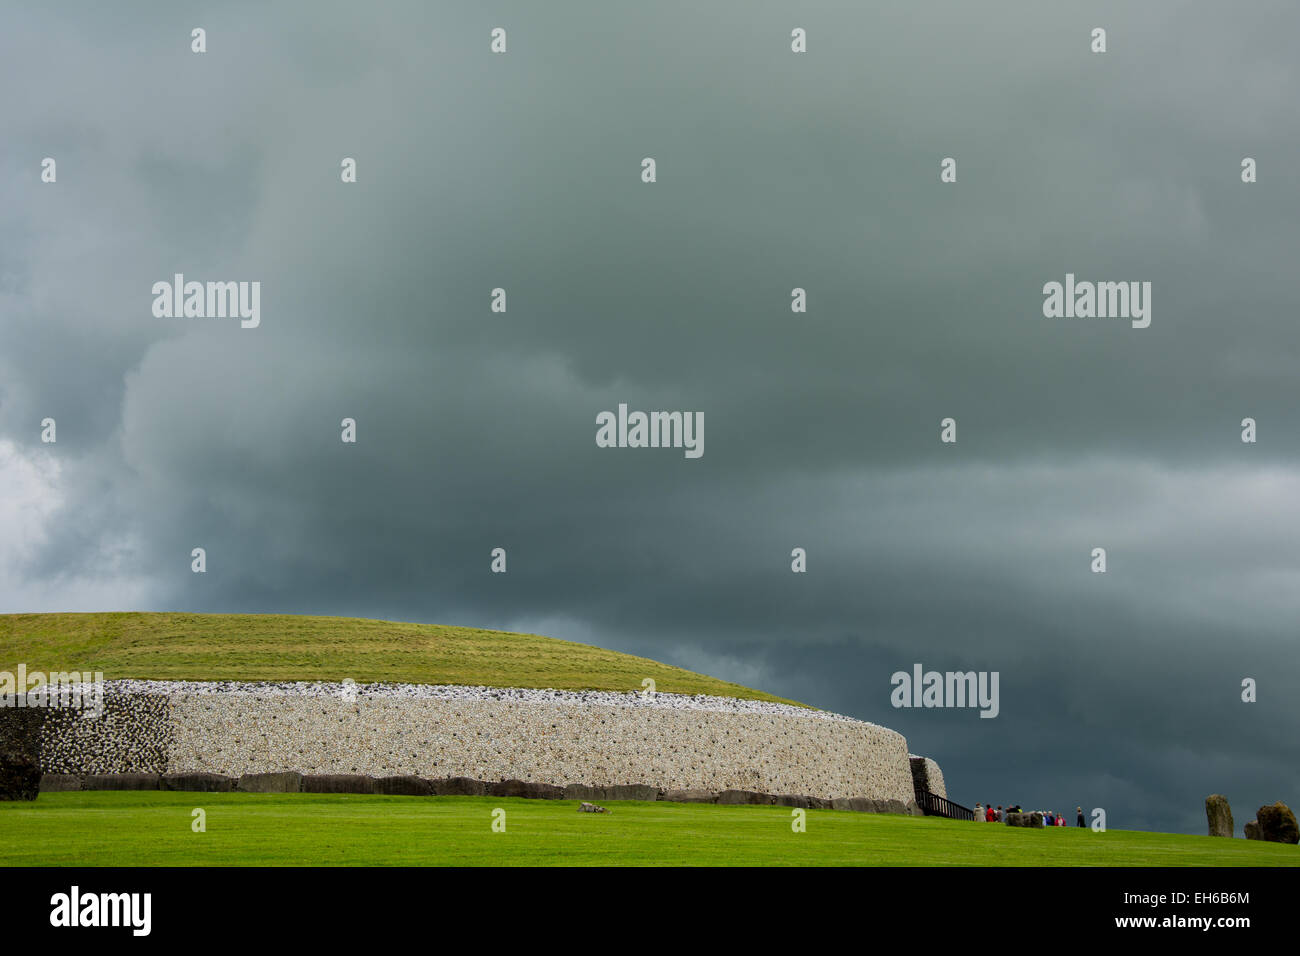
{"points": [[1252, 830], [1033, 820], [1219, 815], [20, 751], [1277, 824]]}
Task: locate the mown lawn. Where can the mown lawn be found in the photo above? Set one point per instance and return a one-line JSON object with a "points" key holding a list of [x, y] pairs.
{"points": [[287, 647], [154, 828]]}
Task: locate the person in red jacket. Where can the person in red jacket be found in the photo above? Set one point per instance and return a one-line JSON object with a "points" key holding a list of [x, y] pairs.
{"points": [[989, 815]]}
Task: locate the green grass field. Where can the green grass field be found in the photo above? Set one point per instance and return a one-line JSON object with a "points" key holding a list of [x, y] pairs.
{"points": [[154, 829], [286, 647]]}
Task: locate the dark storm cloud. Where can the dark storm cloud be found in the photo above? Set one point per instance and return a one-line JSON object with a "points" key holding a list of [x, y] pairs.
{"points": [[775, 171]]}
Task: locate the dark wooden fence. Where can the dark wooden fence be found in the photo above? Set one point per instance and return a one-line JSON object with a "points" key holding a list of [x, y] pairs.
{"points": [[933, 805]]}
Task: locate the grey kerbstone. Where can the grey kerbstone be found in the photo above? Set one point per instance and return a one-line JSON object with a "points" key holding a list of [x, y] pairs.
{"points": [[634, 791], [743, 797], [791, 800], [404, 785], [197, 782], [288, 781], [60, 782], [690, 796], [530, 791], [337, 783], [460, 787], [121, 781]]}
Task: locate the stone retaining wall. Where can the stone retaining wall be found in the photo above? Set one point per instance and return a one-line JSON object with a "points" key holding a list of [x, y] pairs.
{"points": [[597, 746], [926, 775]]}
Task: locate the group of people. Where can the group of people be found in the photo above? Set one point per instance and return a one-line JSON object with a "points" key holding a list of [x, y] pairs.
{"points": [[987, 814]]}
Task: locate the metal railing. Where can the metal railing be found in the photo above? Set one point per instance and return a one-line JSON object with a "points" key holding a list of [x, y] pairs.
{"points": [[933, 805]]}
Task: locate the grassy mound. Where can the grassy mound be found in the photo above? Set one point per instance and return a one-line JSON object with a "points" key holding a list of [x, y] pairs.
{"points": [[248, 829], [285, 647]]}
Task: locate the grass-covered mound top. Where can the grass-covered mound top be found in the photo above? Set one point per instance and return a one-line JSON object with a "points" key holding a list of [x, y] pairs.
{"points": [[286, 647]]}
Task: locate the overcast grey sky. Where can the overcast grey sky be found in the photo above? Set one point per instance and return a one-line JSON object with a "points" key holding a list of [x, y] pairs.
{"points": [[775, 170]]}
